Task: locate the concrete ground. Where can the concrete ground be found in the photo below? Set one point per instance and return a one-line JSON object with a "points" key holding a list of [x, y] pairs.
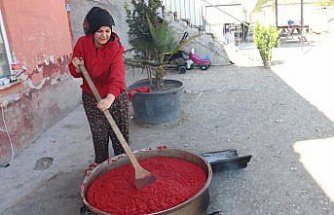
{"points": [[282, 117]]}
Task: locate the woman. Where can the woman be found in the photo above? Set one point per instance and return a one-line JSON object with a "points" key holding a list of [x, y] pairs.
{"points": [[102, 54]]}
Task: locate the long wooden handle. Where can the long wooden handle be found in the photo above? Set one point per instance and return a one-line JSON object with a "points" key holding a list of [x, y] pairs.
{"points": [[110, 119]]}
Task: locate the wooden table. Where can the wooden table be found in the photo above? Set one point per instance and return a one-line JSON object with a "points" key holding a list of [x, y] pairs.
{"points": [[289, 31]]}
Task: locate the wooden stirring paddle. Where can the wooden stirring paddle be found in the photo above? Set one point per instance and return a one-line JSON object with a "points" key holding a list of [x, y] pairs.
{"points": [[142, 176]]}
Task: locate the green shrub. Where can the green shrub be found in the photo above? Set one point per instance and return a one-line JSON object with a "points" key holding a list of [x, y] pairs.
{"points": [[258, 5], [265, 39], [325, 3]]}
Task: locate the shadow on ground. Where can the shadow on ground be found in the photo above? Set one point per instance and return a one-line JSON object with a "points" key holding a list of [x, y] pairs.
{"points": [[249, 109], [58, 195]]}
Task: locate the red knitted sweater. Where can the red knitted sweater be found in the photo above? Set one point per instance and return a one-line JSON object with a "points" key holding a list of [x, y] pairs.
{"points": [[104, 65]]}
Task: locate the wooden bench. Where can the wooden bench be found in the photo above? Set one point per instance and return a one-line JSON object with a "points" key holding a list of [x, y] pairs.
{"points": [[289, 31]]}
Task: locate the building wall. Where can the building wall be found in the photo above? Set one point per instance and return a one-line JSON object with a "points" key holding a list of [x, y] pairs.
{"points": [[39, 37]]}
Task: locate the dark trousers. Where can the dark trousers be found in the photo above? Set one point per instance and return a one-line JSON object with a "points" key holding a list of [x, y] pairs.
{"points": [[100, 127]]}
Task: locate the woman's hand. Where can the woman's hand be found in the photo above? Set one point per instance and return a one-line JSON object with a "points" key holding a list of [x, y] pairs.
{"points": [[77, 61], [105, 103]]}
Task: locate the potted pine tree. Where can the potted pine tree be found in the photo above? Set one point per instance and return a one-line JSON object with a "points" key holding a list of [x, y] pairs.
{"points": [[153, 43]]}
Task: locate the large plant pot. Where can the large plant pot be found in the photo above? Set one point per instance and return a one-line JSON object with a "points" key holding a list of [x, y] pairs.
{"points": [[157, 107]]}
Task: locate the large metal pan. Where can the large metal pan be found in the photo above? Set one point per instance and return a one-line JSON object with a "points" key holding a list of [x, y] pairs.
{"points": [[196, 205]]}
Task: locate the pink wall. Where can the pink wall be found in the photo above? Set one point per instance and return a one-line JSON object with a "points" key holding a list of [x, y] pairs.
{"points": [[38, 32], [36, 26]]}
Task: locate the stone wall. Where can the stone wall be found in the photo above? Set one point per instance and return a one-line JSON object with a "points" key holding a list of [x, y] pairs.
{"points": [[79, 9]]}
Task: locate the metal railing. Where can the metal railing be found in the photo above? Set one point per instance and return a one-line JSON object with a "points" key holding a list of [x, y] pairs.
{"points": [[208, 16], [190, 10]]}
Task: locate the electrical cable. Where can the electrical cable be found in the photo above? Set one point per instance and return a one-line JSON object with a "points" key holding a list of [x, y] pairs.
{"points": [[10, 139]]}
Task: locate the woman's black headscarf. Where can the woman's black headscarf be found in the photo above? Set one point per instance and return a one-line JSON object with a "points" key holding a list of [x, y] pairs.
{"points": [[96, 18]]}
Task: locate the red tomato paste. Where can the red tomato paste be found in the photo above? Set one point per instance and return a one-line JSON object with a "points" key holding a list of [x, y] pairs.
{"points": [[176, 181]]}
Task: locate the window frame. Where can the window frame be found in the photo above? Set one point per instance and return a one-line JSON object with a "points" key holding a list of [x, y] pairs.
{"points": [[6, 45]]}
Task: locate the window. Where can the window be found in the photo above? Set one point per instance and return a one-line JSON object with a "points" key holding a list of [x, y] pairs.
{"points": [[4, 60], [4, 67]]}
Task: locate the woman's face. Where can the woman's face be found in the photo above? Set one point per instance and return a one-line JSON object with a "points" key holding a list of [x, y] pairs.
{"points": [[102, 36]]}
